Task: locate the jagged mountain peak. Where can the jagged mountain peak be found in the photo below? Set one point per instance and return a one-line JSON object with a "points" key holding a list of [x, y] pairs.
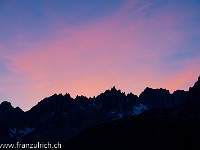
{"points": [[113, 88], [6, 106], [161, 98], [5, 103], [197, 83], [158, 90], [194, 91]]}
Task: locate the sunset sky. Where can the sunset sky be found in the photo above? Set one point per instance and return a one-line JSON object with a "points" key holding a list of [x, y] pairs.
{"points": [[84, 47]]}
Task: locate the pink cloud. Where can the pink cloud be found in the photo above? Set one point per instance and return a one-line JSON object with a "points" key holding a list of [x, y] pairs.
{"points": [[88, 59], [2, 89]]}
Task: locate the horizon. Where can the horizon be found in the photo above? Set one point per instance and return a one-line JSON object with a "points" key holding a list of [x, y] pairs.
{"points": [[85, 47], [95, 95]]}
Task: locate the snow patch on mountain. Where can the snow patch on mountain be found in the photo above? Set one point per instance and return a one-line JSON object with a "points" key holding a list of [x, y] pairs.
{"points": [[120, 115], [139, 109], [26, 131], [15, 132], [82, 107]]}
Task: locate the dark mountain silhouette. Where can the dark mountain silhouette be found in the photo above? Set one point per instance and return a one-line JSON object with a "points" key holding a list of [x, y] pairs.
{"points": [[111, 118], [9, 118], [194, 92], [161, 98], [175, 128]]}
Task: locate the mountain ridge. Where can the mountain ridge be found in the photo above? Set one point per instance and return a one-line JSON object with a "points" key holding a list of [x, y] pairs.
{"points": [[67, 94], [157, 129], [60, 114]]}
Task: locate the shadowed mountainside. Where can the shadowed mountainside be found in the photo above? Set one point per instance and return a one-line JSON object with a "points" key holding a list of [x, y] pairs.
{"points": [[158, 129], [60, 117]]}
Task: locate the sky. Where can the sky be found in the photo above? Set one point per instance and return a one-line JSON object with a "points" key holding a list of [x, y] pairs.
{"points": [[84, 47]]}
